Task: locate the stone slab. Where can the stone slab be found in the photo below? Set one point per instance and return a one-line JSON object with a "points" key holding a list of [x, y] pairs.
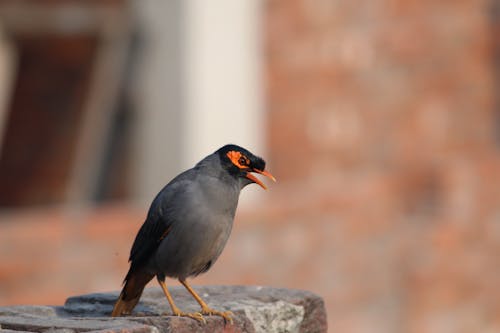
{"points": [[256, 309]]}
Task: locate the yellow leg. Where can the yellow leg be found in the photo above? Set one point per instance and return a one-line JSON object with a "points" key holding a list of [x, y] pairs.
{"points": [[195, 315], [205, 309]]}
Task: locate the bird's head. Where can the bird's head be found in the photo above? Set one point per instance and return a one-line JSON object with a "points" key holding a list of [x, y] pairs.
{"points": [[241, 163]]}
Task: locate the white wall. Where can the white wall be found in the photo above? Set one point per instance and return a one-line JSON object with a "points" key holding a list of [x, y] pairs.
{"points": [[199, 85], [223, 83]]}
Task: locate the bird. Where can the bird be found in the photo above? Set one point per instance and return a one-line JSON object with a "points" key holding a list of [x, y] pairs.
{"points": [[187, 226]]}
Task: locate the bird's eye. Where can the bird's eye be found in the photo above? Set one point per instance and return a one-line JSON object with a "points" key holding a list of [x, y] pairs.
{"points": [[243, 161]]}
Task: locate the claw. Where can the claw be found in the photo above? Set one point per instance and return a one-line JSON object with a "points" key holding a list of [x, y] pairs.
{"points": [[227, 315], [193, 315]]}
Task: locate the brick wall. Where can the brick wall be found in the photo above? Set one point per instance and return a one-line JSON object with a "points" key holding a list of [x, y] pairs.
{"points": [[382, 129]]}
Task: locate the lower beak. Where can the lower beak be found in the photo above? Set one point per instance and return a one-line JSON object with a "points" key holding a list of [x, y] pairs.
{"points": [[256, 180]]}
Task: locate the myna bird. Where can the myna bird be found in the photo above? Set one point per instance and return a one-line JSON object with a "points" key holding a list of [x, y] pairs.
{"points": [[187, 227]]}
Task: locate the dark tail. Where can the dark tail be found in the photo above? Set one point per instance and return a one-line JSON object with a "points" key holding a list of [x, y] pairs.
{"points": [[132, 290]]}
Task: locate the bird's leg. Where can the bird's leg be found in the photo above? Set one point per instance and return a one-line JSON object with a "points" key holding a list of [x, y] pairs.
{"points": [[205, 309], [177, 312]]}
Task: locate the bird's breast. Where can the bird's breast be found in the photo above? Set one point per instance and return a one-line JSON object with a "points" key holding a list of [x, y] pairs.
{"points": [[200, 231]]}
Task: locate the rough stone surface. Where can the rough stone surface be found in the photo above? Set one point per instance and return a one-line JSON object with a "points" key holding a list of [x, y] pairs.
{"points": [[256, 309]]}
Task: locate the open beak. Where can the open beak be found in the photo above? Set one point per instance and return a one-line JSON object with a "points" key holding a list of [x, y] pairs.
{"points": [[256, 180]]}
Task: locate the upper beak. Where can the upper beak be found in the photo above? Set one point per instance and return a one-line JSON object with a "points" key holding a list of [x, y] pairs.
{"points": [[256, 180]]}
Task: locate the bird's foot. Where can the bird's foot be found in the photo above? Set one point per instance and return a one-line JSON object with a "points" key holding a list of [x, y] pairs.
{"points": [[227, 315], [193, 315]]}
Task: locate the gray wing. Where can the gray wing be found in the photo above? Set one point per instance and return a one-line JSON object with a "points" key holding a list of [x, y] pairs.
{"points": [[158, 222]]}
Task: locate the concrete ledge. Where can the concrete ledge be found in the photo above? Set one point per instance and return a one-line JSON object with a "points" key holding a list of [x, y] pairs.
{"points": [[256, 309]]}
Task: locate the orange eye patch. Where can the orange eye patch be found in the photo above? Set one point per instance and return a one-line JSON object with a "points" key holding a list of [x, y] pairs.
{"points": [[238, 159]]}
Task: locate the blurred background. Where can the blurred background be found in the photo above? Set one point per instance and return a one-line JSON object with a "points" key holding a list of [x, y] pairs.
{"points": [[380, 119]]}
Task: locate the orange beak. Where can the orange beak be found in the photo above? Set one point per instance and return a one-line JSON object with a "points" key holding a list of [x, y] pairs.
{"points": [[256, 180]]}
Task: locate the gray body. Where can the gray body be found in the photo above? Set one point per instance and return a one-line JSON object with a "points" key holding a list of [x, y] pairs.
{"points": [[197, 208]]}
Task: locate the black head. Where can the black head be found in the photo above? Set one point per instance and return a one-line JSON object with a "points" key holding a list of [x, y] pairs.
{"points": [[239, 162]]}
